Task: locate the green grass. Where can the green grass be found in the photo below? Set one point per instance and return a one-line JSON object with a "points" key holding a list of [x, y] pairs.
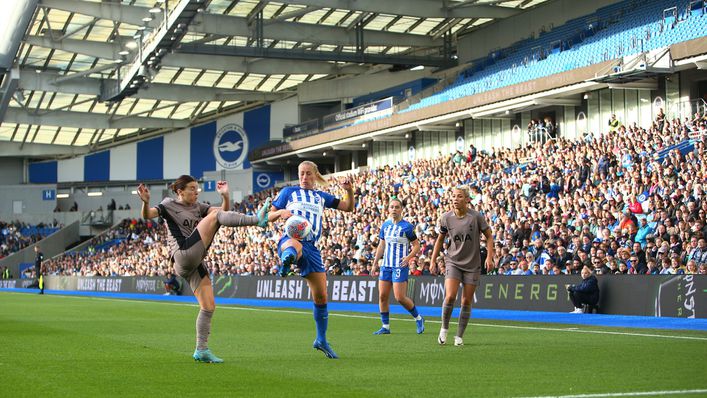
{"points": [[87, 347]]}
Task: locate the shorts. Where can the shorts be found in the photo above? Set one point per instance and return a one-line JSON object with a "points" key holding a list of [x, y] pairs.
{"points": [[187, 261], [311, 259], [465, 276], [394, 274]]}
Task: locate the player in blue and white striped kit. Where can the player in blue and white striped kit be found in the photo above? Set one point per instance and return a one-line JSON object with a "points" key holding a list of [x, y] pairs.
{"points": [[304, 200], [397, 237]]}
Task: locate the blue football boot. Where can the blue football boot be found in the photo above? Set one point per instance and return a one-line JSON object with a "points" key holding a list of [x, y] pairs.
{"points": [[206, 356], [420, 325], [323, 346], [287, 261], [382, 330]]}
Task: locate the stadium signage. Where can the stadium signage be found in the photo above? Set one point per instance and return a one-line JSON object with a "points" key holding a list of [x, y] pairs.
{"points": [[230, 146], [303, 129], [431, 292], [354, 290], [263, 180], [15, 283], [99, 284], [145, 285], [358, 114], [660, 295], [519, 291], [292, 289], [679, 297]]}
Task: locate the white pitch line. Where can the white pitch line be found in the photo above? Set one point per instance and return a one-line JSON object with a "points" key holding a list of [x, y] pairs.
{"points": [[626, 394], [261, 309]]}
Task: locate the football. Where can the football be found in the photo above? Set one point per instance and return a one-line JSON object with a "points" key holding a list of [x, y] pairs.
{"points": [[297, 227]]}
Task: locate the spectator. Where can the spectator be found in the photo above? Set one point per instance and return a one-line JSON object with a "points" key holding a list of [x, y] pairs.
{"points": [[589, 189], [584, 293], [614, 123], [172, 285]]}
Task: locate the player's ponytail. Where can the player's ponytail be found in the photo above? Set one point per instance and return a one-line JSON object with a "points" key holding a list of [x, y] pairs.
{"points": [[318, 177]]}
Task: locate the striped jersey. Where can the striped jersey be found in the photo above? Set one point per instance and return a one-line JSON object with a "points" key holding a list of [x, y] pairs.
{"points": [[397, 237], [307, 203]]}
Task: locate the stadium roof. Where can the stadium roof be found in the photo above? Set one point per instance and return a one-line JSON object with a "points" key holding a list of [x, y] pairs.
{"points": [[91, 74]]}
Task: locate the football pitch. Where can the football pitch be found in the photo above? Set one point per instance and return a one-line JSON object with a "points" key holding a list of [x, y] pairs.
{"points": [[92, 347]]}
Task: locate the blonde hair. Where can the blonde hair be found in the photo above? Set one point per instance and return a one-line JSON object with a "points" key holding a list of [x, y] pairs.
{"points": [[465, 189], [318, 178]]}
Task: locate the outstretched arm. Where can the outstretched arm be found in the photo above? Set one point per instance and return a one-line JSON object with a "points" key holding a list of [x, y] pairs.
{"points": [[222, 189], [147, 211], [347, 202], [276, 214]]}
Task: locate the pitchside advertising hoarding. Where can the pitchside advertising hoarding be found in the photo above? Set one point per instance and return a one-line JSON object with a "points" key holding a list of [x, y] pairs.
{"points": [[682, 296]]}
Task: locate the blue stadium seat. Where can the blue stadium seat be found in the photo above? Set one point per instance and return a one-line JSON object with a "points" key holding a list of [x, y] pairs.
{"points": [[614, 31]]}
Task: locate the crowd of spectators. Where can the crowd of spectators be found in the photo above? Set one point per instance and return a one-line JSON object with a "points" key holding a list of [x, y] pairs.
{"points": [[606, 202], [130, 249], [15, 236]]}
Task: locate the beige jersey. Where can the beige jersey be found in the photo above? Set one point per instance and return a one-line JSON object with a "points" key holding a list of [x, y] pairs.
{"points": [[181, 221], [464, 239]]}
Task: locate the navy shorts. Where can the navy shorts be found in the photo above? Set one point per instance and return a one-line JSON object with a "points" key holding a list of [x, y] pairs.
{"points": [[394, 274], [311, 260]]}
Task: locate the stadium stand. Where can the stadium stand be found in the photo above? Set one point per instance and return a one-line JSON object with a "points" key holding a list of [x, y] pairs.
{"points": [[15, 236], [628, 201], [615, 31]]}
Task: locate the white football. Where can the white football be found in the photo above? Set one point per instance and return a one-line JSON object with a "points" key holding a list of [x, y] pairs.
{"points": [[297, 227]]}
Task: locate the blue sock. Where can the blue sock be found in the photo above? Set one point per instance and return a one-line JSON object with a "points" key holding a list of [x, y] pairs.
{"points": [[413, 312], [385, 318], [321, 318], [287, 252]]}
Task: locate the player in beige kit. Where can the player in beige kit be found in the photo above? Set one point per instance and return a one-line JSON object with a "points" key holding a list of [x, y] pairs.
{"points": [[192, 226], [463, 226]]}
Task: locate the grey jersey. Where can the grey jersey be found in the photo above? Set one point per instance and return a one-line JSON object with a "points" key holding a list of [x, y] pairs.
{"points": [[181, 221], [464, 239]]}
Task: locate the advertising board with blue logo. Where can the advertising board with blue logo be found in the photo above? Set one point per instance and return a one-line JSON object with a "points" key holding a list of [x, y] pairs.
{"points": [[263, 180]]}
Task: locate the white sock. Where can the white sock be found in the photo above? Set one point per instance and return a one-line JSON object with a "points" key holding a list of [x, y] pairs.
{"points": [[418, 317], [386, 326]]}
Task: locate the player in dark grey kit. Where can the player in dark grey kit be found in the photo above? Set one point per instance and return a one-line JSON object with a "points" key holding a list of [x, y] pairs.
{"points": [[192, 226], [463, 226]]}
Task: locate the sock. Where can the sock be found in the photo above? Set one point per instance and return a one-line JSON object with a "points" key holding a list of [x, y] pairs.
{"points": [[385, 318], [414, 313], [203, 329], [464, 316], [446, 314], [289, 251], [321, 318], [234, 219]]}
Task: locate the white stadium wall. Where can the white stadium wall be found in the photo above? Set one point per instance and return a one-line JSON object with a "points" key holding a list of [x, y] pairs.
{"points": [[220, 145], [282, 114], [123, 162], [174, 144]]}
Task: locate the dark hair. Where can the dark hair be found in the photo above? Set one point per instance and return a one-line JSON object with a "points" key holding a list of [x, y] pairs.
{"points": [[181, 183], [395, 199]]}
